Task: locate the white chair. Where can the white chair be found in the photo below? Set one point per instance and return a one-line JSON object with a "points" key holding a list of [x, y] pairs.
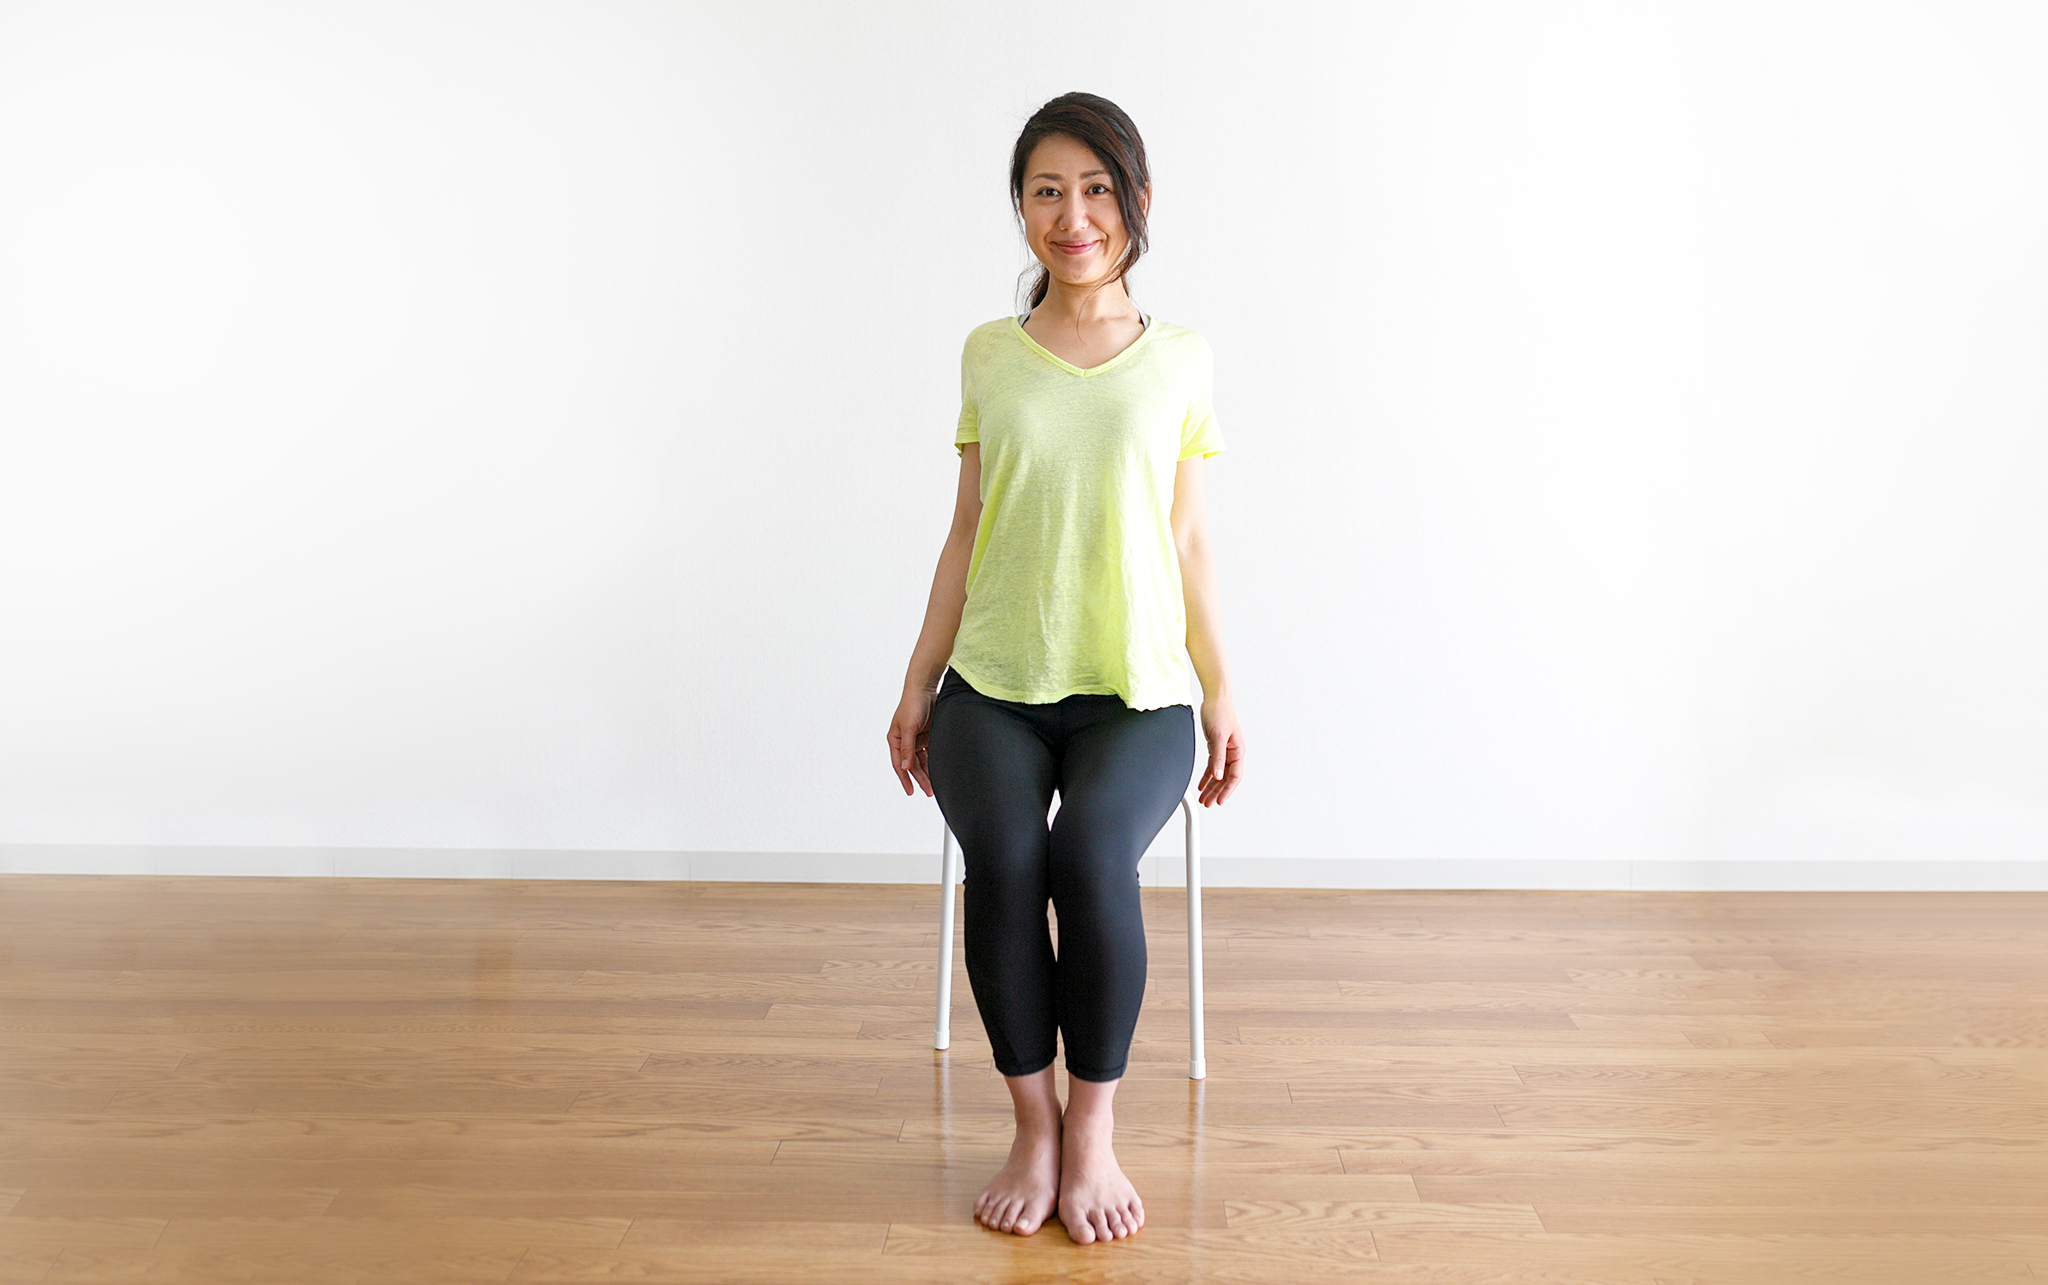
{"points": [[949, 877]]}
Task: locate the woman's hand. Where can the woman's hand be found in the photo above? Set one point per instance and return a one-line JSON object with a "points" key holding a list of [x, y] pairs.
{"points": [[1226, 750], [908, 734]]}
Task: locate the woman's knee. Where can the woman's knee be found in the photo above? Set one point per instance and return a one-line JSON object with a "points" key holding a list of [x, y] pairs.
{"points": [[1093, 863], [1006, 868]]}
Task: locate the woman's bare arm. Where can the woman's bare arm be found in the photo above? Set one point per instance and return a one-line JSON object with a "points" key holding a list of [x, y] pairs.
{"points": [[949, 582], [907, 732], [1205, 636]]}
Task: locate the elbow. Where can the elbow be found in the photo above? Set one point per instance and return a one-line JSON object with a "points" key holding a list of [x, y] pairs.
{"points": [[964, 529]]}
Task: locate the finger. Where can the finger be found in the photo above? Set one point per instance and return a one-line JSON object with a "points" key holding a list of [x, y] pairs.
{"points": [[1233, 774], [904, 759], [896, 764], [1233, 761], [923, 772]]}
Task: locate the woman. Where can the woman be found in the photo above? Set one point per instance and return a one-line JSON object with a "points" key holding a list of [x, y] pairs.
{"points": [[1076, 574]]}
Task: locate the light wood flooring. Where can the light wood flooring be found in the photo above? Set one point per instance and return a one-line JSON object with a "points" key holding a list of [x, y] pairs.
{"points": [[341, 1080]]}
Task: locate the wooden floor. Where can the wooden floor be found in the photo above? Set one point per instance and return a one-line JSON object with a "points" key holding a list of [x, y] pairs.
{"points": [[310, 1080]]}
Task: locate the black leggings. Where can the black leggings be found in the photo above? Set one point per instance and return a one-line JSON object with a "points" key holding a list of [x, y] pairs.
{"points": [[1120, 773]]}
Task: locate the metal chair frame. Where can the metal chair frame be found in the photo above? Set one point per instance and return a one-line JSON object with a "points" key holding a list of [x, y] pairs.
{"points": [[950, 872]]}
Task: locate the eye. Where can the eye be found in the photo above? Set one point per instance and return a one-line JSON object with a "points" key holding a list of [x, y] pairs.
{"points": [[1042, 191], [1102, 187]]}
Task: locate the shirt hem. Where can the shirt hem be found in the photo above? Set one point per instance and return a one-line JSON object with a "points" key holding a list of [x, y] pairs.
{"points": [[999, 692]]}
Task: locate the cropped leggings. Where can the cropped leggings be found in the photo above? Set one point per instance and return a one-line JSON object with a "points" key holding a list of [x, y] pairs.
{"points": [[1120, 773]]}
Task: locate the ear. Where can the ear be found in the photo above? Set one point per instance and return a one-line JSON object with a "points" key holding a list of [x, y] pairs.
{"points": [[1145, 200]]}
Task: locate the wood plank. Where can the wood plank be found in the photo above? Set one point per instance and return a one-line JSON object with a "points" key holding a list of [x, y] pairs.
{"points": [[31, 1231], [49, 1201], [1860, 1218], [1931, 1254], [400, 1264], [328, 1232]]}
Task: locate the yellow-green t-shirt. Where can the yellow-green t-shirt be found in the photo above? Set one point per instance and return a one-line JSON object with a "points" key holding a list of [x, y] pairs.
{"points": [[1074, 585]]}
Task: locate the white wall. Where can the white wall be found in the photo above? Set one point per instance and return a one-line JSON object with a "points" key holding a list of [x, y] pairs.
{"points": [[514, 426]]}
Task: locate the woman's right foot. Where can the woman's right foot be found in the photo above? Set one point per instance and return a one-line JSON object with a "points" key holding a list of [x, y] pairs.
{"points": [[1024, 1191]]}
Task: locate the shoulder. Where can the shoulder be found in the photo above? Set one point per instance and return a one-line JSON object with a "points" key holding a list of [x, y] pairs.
{"points": [[1183, 347], [984, 345], [986, 333], [1173, 337]]}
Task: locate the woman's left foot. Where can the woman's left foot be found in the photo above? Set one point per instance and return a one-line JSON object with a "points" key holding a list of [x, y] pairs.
{"points": [[1096, 1201]]}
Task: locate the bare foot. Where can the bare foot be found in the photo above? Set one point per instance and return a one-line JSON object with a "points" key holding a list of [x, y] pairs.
{"points": [[1020, 1197], [1096, 1201]]}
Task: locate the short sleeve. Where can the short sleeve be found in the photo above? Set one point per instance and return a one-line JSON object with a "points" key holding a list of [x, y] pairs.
{"points": [[1199, 434], [969, 429]]}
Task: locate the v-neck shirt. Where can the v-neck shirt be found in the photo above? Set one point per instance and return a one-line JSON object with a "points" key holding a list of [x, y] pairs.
{"points": [[1074, 584], [1145, 328]]}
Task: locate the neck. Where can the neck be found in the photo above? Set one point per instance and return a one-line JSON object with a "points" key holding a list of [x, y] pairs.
{"points": [[1086, 306]]}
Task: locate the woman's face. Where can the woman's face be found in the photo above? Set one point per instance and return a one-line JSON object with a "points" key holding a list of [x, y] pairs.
{"points": [[1071, 217]]}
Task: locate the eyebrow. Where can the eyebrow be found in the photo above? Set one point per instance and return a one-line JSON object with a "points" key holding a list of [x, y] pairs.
{"points": [[1083, 174]]}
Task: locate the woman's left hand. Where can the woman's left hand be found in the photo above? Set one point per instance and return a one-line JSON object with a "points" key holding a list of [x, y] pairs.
{"points": [[1226, 750]]}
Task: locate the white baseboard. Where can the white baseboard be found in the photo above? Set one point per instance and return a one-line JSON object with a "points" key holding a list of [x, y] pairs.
{"points": [[1157, 870]]}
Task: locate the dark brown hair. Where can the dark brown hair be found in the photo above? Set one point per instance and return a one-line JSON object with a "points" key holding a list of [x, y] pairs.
{"points": [[1102, 127]]}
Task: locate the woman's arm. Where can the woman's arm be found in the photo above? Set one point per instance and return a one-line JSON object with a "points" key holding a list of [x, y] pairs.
{"points": [[949, 582], [1205, 636], [912, 724]]}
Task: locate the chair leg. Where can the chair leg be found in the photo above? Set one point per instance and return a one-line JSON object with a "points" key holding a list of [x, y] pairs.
{"points": [[1198, 1061], [942, 1033]]}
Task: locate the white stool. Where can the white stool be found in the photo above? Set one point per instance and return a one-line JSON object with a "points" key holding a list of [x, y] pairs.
{"points": [[949, 877]]}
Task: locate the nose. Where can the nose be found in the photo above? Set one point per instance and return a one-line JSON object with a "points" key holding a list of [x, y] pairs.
{"points": [[1073, 213]]}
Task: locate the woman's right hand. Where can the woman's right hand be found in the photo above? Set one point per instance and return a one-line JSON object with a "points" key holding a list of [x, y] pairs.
{"points": [[908, 735]]}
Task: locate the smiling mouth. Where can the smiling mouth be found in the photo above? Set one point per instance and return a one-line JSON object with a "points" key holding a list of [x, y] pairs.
{"points": [[1081, 247]]}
